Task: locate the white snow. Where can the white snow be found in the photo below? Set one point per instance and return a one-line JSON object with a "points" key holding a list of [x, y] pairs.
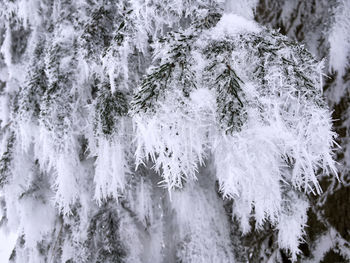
{"points": [[339, 41], [65, 169], [232, 24]]}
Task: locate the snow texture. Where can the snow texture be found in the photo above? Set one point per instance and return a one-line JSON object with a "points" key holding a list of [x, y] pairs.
{"points": [[139, 131]]}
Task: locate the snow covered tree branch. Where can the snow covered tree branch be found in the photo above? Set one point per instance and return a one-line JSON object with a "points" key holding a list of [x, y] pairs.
{"points": [[128, 128]]}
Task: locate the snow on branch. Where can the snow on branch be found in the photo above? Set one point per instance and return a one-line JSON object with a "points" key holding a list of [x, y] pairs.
{"points": [[253, 99]]}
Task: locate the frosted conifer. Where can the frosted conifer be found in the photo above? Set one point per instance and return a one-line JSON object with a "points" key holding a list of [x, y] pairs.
{"points": [[156, 131]]}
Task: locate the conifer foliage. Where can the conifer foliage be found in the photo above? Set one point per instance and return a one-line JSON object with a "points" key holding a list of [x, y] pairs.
{"points": [[323, 26], [156, 131]]}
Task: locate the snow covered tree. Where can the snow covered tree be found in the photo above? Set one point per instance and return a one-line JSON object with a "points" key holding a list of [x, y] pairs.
{"points": [[157, 131], [323, 27]]}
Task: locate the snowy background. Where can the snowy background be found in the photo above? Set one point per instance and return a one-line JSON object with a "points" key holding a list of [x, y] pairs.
{"points": [[7, 243]]}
